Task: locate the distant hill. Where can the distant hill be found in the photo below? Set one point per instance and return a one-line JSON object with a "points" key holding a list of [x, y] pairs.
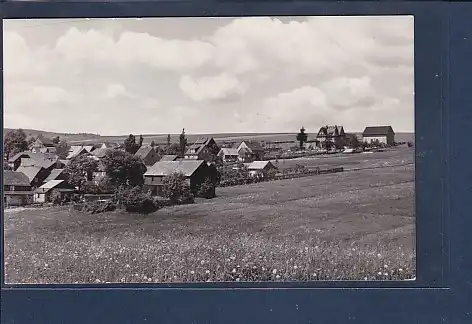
{"points": [[87, 138]]}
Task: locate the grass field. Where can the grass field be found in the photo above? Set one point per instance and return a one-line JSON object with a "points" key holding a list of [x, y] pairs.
{"points": [[356, 225]]}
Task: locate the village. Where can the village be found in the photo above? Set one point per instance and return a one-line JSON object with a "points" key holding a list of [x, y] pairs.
{"points": [[39, 176]]}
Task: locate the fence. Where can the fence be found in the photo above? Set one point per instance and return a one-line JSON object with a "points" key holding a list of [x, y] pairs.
{"points": [[306, 173]]}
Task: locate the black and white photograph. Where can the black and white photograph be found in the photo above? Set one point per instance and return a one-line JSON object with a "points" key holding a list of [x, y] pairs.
{"points": [[184, 150]]}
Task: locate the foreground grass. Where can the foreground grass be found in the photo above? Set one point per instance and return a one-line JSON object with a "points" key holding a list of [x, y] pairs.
{"points": [[348, 226], [132, 259]]}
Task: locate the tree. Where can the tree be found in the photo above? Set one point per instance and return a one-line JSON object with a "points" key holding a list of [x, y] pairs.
{"points": [[183, 143], [174, 149], [207, 189], [62, 149], [302, 137], [353, 141], [168, 140], [177, 189], [153, 144], [130, 144], [56, 140], [15, 142], [80, 169], [123, 168]]}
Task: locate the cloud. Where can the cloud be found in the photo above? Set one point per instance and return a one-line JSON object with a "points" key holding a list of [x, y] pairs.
{"points": [[210, 88], [116, 91], [133, 48]]}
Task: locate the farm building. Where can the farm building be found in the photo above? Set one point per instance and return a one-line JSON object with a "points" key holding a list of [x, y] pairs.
{"points": [[148, 155], [15, 161], [48, 164], [332, 134], [380, 134], [250, 151], [44, 150], [108, 145], [16, 189], [40, 142], [56, 174], [35, 174], [261, 168], [99, 174], [43, 193], [76, 151], [100, 152], [229, 154], [195, 171], [203, 149], [168, 158]]}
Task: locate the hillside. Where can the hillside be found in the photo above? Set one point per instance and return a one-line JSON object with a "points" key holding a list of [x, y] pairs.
{"points": [[87, 138]]}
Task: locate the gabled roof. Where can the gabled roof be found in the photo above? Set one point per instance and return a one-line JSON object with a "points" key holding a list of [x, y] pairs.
{"points": [[100, 152], [330, 130], [254, 146], [40, 162], [168, 158], [377, 130], [229, 151], [199, 145], [89, 148], [109, 145], [15, 178], [259, 165], [165, 168], [30, 171], [53, 184], [143, 151], [54, 174], [76, 151], [29, 154], [45, 141]]}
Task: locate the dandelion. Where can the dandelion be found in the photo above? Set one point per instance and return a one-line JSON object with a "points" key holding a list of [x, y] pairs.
{"points": [[385, 274], [192, 272], [400, 270], [202, 262], [379, 255], [149, 280], [365, 278], [207, 272], [127, 266], [379, 273], [97, 280], [46, 265], [386, 266], [295, 267], [277, 277], [234, 271], [274, 271], [237, 279]]}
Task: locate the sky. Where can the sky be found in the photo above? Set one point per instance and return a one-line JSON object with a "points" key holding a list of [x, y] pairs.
{"points": [[208, 75]]}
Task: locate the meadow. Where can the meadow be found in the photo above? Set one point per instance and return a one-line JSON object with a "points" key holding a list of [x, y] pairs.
{"points": [[356, 225]]}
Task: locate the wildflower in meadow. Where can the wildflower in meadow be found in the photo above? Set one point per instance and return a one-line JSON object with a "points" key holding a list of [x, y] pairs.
{"points": [[234, 271], [192, 272], [274, 271]]}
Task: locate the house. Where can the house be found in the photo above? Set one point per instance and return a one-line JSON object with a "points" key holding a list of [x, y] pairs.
{"points": [[195, 172], [16, 189], [35, 174], [203, 149], [228, 154], [250, 151], [262, 168], [76, 151], [148, 155], [48, 164], [108, 145], [43, 193], [40, 142], [100, 152], [99, 174], [56, 174], [44, 150], [380, 134], [168, 158], [15, 161], [331, 135]]}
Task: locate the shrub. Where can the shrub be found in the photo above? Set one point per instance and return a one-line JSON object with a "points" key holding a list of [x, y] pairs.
{"points": [[207, 189], [136, 201], [56, 197], [97, 207], [177, 190]]}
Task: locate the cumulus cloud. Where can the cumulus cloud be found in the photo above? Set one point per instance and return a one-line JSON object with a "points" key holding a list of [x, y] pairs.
{"points": [[211, 87], [261, 74]]}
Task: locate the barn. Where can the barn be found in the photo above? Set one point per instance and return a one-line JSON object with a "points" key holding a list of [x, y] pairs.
{"points": [[380, 134]]}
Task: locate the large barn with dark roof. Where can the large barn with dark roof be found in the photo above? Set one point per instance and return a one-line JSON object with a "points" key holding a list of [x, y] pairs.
{"points": [[380, 134]]}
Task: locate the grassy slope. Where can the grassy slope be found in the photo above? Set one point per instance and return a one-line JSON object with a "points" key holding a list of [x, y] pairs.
{"points": [[352, 225]]}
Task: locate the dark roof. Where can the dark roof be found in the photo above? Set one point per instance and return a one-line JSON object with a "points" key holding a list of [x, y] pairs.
{"points": [[199, 145], [15, 178], [377, 130], [30, 171], [330, 130], [54, 174], [45, 141], [144, 151], [260, 165], [254, 145], [168, 158], [165, 168]]}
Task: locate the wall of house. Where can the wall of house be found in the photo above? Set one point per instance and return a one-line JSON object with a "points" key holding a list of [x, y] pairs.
{"points": [[370, 139], [40, 197]]}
